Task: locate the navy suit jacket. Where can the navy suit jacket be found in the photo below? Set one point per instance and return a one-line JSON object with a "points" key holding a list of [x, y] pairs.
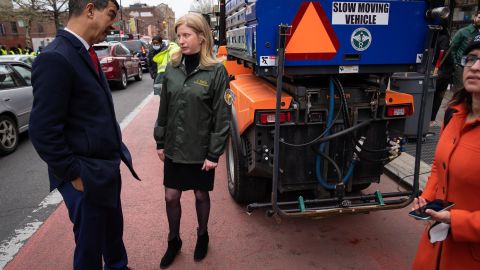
{"points": [[72, 123]]}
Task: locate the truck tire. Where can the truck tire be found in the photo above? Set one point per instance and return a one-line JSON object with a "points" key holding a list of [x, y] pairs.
{"points": [[242, 188]]}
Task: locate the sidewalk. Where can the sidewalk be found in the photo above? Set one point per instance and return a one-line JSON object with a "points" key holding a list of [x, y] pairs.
{"points": [[403, 167], [238, 240]]}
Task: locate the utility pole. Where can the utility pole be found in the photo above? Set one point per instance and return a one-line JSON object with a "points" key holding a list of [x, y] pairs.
{"points": [[222, 35], [122, 27]]}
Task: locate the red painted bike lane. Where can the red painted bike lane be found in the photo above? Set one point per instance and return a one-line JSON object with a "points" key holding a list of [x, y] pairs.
{"points": [[382, 240]]}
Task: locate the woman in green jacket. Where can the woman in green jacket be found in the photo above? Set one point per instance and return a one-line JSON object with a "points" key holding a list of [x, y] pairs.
{"points": [[192, 128]]}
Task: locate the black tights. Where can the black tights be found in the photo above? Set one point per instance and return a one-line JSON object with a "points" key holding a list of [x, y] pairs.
{"points": [[174, 210]]}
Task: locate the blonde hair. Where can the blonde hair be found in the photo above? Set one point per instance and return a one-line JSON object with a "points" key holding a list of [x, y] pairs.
{"points": [[200, 26]]}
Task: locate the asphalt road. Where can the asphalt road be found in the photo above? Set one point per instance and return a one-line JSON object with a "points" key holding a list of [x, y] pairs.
{"points": [[385, 240], [23, 175]]}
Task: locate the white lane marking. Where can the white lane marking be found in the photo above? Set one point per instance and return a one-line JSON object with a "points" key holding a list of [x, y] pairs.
{"points": [[135, 111], [10, 246]]}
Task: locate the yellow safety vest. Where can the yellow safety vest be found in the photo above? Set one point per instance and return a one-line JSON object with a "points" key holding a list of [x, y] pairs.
{"points": [[4, 52], [162, 58]]}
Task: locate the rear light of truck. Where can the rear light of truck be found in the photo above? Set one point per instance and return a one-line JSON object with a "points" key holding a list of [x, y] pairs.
{"points": [[269, 118], [399, 110]]}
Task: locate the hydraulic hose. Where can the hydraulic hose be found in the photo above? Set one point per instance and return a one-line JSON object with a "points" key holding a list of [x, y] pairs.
{"points": [[318, 160], [337, 169], [321, 151], [345, 178], [346, 118], [347, 123], [339, 87], [333, 136]]}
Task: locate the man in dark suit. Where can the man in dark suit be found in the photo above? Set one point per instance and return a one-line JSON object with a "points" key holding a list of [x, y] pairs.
{"points": [[74, 130]]}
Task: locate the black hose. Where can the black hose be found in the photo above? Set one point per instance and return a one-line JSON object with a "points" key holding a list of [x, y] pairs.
{"points": [[361, 157], [346, 115], [337, 168], [317, 138], [339, 134], [372, 150]]}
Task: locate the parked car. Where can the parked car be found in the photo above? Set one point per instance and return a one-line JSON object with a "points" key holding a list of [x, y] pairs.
{"points": [[27, 59], [146, 39], [118, 63], [16, 100], [140, 49]]}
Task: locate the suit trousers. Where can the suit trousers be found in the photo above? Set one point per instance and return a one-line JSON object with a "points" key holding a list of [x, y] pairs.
{"points": [[98, 232]]}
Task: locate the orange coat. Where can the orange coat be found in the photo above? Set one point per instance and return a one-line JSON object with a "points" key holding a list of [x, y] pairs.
{"points": [[455, 177]]}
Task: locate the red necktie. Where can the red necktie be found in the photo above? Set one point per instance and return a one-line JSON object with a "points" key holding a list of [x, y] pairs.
{"points": [[94, 57]]}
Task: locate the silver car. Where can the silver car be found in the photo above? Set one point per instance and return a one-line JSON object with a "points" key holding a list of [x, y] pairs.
{"points": [[25, 58], [15, 103]]}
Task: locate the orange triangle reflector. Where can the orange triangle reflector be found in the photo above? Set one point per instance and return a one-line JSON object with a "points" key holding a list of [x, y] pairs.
{"points": [[311, 43]]}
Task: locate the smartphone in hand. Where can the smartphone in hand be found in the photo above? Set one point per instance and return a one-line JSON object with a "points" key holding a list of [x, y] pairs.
{"points": [[435, 205]]}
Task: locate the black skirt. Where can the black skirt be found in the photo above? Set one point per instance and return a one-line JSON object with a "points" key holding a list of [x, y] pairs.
{"points": [[187, 176]]}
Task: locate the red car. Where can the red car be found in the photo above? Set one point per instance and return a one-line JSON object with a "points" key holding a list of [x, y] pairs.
{"points": [[118, 63]]}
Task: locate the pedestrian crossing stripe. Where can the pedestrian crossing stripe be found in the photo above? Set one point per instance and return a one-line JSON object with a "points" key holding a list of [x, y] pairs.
{"points": [[311, 43]]}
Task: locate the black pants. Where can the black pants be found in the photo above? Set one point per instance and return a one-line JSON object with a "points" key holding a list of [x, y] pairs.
{"points": [[98, 232], [441, 87]]}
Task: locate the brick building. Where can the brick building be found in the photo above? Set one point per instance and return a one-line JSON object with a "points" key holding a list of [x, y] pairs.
{"points": [[135, 19], [13, 28], [168, 22], [150, 20]]}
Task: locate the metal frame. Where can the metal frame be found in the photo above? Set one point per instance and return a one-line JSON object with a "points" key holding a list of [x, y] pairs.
{"points": [[338, 205]]}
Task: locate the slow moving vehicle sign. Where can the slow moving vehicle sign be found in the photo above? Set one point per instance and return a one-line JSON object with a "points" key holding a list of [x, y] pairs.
{"points": [[360, 13], [305, 44]]}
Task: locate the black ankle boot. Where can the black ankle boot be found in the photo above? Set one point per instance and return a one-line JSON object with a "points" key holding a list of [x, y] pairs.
{"points": [[201, 247], [174, 247]]}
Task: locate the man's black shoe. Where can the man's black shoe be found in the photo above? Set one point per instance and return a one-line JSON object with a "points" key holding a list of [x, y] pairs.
{"points": [[201, 247], [174, 247]]}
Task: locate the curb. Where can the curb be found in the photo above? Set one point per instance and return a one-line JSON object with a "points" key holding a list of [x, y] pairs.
{"points": [[402, 170]]}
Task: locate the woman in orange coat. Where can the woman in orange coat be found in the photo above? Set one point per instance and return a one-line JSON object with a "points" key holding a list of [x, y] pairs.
{"points": [[456, 177]]}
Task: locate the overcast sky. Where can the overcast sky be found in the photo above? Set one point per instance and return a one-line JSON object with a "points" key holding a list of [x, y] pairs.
{"points": [[180, 7]]}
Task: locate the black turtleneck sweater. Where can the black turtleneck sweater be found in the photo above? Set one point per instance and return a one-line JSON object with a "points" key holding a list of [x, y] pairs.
{"points": [[191, 62]]}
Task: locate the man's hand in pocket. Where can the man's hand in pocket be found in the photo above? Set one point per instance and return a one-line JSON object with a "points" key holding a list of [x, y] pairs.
{"points": [[78, 184]]}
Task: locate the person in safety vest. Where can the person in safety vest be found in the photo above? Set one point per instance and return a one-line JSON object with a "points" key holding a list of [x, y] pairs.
{"points": [[27, 50], [155, 48], [3, 50], [19, 49], [158, 58]]}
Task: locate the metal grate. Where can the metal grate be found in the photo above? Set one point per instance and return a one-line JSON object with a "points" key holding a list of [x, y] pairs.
{"points": [[429, 145]]}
